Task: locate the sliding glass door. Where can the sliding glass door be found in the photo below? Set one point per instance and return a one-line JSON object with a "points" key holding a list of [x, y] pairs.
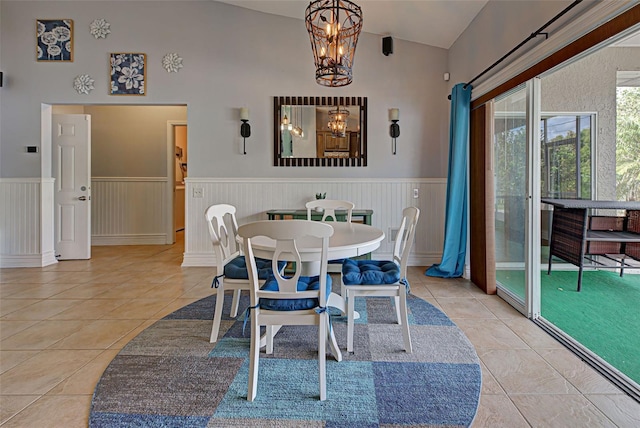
{"points": [[551, 140], [510, 166]]}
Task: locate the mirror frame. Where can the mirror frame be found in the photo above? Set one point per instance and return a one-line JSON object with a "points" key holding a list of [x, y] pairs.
{"points": [[361, 102]]}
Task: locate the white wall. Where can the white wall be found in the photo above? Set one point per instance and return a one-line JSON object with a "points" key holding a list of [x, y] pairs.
{"points": [[131, 141], [497, 29], [232, 58], [502, 25], [589, 85]]}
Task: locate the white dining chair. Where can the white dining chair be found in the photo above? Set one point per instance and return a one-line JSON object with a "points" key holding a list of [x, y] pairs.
{"points": [[290, 300], [231, 268], [366, 278], [329, 208]]}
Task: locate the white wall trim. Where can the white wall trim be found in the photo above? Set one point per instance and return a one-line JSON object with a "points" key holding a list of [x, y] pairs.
{"points": [[26, 180], [313, 180], [27, 261], [129, 211], [21, 224], [137, 239], [171, 179], [254, 196], [130, 179], [598, 14]]}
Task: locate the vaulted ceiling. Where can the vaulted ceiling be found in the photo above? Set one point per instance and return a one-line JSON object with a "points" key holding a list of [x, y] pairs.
{"points": [[435, 22]]}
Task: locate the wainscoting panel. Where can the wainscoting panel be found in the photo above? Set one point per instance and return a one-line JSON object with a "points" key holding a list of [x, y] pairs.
{"points": [[128, 210], [254, 197], [19, 217]]}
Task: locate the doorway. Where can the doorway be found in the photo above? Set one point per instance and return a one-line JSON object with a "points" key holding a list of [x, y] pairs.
{"points": [[133, 175]]}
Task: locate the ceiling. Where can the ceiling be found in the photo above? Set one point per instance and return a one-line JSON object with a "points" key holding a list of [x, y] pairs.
{"points": [[431, 22]]}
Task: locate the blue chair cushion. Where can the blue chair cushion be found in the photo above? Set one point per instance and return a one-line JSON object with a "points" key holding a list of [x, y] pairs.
{"points": [[237, 268], [370, 272], [304, 283]]}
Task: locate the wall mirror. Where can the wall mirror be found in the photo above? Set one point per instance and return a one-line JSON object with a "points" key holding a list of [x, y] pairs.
{"points": [[320, 131]]}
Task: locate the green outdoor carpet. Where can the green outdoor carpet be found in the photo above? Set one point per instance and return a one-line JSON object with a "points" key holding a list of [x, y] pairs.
{"points": [[604, 316]]}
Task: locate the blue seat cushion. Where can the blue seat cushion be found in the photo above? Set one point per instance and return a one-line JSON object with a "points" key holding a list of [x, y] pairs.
{"points": [[370, 272], [237, 268], [304, 283]]}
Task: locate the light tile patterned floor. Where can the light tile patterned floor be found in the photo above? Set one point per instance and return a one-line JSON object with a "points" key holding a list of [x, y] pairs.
{"points": [[61, 325]]}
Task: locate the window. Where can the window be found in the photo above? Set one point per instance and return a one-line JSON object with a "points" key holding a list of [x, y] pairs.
{"points": [[566, 144]]}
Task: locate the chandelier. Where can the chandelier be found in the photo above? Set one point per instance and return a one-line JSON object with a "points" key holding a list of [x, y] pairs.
{"points": [[338, 122], [334, 27]]}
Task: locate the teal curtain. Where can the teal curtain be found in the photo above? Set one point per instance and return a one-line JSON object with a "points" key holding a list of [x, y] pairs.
{"points": [[455, 226]]}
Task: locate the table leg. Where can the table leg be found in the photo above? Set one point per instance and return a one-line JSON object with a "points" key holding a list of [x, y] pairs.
{"points": [[263, 338]]}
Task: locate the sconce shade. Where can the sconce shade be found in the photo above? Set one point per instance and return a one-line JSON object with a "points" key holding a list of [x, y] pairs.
{"points": [[245, 129], [394, 130], [244, 113], [334, 27], [394, 114]]}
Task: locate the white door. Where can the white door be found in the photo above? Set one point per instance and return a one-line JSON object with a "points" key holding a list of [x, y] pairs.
{"points": [[71, 157]]}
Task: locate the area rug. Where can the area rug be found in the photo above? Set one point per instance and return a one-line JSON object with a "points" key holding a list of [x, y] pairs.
{"points": [[171, 376]]}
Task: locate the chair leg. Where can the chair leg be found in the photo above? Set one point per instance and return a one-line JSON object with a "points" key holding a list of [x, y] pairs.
{"points": [[217, 316], [350, 311], [235, 303], [270, 333], [396, 301], [322, 355], [254, 355], [405, 321]]}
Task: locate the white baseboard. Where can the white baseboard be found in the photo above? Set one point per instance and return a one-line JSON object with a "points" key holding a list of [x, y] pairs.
{"points": [[199, 259], [27, 260], [151, 239]]}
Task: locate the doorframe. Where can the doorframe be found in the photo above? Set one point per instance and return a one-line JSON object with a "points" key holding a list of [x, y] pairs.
{"points": [[47, 206], [171, 175]]}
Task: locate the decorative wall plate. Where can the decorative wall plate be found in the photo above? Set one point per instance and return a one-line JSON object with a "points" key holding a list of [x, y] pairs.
{"points": [[83, 84], [100, 28], [172, 62]]}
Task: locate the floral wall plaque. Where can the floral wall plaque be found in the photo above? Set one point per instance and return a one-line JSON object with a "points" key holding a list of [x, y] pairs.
{"points": [[54, 40], [100, 28], [128, 73]]}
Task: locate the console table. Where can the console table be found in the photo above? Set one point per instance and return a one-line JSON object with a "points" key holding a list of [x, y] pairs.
{"points": [[364, 216], [575, 234]]}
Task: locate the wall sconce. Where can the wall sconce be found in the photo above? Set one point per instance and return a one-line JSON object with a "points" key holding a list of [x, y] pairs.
{"points": [[394, 130], [245, 128]]}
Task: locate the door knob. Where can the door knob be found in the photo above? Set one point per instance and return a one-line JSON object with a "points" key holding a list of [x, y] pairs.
{"points": [[82, 198]]}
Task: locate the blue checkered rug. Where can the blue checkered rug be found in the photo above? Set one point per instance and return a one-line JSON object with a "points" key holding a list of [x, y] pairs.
{"points": [[171, 376]]}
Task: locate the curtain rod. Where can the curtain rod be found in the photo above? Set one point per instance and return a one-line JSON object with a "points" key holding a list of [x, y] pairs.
{"points": [[538, 32]]}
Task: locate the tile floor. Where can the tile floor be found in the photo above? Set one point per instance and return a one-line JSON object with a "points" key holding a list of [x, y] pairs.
{"points": [[61, 325]]}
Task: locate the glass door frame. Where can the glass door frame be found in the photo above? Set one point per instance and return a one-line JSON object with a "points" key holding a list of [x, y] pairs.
{"points": [[532, 209], [532, 234]]}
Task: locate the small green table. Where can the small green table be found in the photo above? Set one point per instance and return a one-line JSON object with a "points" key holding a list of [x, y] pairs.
{"points": [[361, 216]]}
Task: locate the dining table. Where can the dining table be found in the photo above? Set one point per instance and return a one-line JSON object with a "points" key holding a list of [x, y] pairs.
{"points": [[348, 240]]}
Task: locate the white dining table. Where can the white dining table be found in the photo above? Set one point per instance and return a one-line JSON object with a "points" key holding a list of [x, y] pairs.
{"points": [[348, 240]]}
